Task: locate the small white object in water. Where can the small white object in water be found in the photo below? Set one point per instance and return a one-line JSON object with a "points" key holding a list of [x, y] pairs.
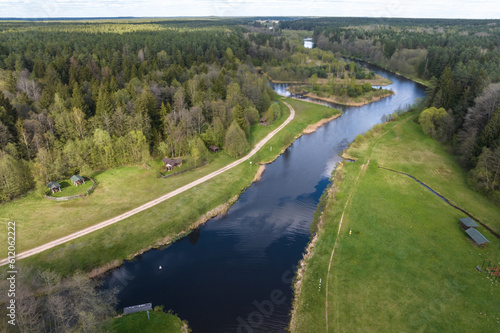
{"points": [[159, 267]]}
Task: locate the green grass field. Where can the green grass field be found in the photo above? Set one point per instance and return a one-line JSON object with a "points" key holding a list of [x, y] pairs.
{"points": [[39, 221], [402, 263], [158, 322]]}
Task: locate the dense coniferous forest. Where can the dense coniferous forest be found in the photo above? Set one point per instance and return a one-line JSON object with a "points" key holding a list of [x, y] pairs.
{"points": [[460, 62]]}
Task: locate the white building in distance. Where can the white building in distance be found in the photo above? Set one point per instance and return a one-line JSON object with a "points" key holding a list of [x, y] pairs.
{"points": [[308, 43]]}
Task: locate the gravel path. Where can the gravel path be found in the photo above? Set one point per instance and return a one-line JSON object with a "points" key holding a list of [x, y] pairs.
{"points": [[152, 203]]}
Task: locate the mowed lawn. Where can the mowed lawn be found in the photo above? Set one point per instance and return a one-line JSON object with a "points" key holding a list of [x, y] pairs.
{"points": [[68, 188], [39, 221], [402, 262]]}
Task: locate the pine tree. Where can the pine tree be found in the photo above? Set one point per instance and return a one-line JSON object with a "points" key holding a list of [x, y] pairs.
{"points": [[8, 115], [77, 100], [235, 142], [104, 104], [238, 116]]}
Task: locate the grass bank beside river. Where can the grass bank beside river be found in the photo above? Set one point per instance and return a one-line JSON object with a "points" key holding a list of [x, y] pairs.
{"points": [[400, 260], [154, 322], [39, 221], [366, 98]]}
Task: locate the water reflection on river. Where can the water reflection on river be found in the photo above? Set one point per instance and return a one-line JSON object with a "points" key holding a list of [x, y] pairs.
{"points": [[234, 273]]}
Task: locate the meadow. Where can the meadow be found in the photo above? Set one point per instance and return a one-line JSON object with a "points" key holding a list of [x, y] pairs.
{"points": [[39, 220], [401, 261]]}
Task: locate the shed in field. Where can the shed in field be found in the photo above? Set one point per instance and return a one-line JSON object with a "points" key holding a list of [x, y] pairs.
{"points": [[172, 163], [477, 237], [54, 187], [77, 180], [467, 222], [214, 149]]}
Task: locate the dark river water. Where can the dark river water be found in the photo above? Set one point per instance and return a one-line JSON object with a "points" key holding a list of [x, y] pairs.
{"points": [[234, 274]]}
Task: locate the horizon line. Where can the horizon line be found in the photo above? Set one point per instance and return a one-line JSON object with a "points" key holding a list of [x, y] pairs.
{"points": [[62, 18]]}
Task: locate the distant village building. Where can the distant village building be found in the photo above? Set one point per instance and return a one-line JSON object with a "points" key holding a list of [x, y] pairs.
{"points": [[77, 180], [308, 43], [54, 187], [214, 149], [172, 163]]}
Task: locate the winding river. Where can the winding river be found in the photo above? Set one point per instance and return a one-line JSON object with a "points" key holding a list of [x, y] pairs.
{"points": [[234, 274]]}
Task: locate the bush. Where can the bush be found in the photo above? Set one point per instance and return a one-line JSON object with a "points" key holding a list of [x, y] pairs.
{"points": [[436, 123], [235, 143]]}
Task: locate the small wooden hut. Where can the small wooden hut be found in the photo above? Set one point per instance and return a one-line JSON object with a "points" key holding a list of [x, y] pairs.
{"points": [[214, 149], [467, 222], [477, 237], [263, 121], [172, 163], [77, 180], [54, 187]]}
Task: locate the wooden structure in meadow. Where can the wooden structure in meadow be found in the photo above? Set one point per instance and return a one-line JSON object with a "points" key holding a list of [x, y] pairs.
{"points": [[467, 222], [477, 237], [54, 187], [214, 149], [172, 163], [77, 180]]}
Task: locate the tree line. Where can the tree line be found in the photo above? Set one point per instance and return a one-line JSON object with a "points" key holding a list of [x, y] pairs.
{"points": [[458, 59], [76, 98]]}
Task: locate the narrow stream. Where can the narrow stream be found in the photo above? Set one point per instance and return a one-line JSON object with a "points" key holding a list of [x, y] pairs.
{"points": [[234, 274]]}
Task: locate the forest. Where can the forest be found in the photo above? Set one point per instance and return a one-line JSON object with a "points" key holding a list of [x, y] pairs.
{"points": [[81, 97], [459, 60]]}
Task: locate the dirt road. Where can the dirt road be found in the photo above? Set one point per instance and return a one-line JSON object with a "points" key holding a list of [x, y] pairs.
{"points": [[152, 203]]}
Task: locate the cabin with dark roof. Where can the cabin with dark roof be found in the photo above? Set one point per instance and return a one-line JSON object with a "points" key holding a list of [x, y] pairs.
{"points": [[477, 237], [77, 180], [467, 222], [54, 187], [263, 121], [172, 163], [214, 149]]}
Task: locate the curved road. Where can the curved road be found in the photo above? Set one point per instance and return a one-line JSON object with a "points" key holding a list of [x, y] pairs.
{"points": [[152, 203]]}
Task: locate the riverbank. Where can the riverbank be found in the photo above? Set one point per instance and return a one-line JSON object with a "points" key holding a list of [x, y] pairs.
{"points": [[152, 322], [309, 116], [377, 81], [314, 127], [397, 242], [107, 248], [415, 79], [367, 98]]}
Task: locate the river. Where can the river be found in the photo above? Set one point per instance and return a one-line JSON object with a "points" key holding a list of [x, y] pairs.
{"points": [[234, 274]]}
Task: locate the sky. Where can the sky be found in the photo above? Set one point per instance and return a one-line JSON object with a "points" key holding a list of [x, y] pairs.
{"points": [[489, 9]]}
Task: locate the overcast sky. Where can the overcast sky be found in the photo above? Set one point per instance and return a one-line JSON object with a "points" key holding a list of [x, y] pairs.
{"points": [[161, 8]]}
